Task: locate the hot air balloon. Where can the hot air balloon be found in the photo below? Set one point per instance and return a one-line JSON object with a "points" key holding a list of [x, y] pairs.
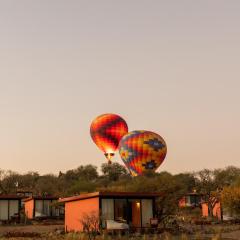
{"points": [[106, 131], [141, 151]]}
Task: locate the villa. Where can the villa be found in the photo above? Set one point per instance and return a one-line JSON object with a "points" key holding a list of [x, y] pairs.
{"points": [[10, 206], [41, 207], [115, 209]]}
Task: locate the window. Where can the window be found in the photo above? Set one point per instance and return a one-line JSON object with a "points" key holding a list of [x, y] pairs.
{"points": [[147, 212], [46, 207], [13, 207], [55, 208], [42, 208], [3, 209], [38, 208], [107, 209], [120, 210]]}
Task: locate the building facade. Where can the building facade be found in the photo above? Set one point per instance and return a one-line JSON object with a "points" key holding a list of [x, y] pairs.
{"points": [[134, 209], [41, 207], [10, 206]]}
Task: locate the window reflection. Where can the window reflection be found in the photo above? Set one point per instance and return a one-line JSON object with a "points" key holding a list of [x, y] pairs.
{"points": [[120, 210]]}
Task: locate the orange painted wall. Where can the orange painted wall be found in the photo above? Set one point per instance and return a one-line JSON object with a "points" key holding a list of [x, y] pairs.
{"points": [[204, 210], [182, 202], [29, 208], [216, 210], [136, 215], [75, 210]]}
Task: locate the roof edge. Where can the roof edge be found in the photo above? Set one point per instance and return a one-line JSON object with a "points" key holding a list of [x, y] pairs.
{"points": [[109, 194], [40, 198]]}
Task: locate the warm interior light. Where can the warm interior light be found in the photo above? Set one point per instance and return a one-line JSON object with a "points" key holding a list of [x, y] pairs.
{"points": [[138, 204], [109, 156]]}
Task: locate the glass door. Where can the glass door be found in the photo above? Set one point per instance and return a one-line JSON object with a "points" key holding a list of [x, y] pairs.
{"points": [[147, 211], [120, 210]]}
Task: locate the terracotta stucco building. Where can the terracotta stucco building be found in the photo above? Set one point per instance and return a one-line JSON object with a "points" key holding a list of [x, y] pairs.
{"points": [[41, 207], [134, 209]]}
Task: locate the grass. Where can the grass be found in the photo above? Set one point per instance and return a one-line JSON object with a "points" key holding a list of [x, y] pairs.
{"points": [[76, 236], [211, 232]]}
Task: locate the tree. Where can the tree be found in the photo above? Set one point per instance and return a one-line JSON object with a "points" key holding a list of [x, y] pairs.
{"points": [[28, 180], [113, 171], [206, 184], [47, 185], [81, 186], [227, 176], [9, 182], [87, 173], [186, 181], [230, 197]]}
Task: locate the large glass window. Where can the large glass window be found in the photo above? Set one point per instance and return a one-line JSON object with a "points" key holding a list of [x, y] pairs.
{"points": [[4, 210], [55, 209], [42, 208], [46, 207], [136, 212], [120, 210], [107, 209], [13, 207], [193, 200], [147, 212], [38, 208]]}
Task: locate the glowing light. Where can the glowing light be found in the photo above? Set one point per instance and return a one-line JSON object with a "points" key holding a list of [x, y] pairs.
{"points": [[109, 156]]}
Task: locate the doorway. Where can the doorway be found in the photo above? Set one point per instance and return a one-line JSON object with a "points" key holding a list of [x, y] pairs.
{"points": [[134, 212]]}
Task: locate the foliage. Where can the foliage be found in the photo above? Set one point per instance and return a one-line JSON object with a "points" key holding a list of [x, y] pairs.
{"points": [[230, 197], [227, 176], [90, 224], [88, 173], [115, 177], [112, 172]]}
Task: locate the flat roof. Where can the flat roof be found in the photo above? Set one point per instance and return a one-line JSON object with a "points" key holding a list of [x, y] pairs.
{"points": [[194, 193], [40, 198], [10, 196], [109, 194]]}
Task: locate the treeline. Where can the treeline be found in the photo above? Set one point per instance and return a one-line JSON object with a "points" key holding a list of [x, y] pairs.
{"points": [[82, 179], [218, 184]]}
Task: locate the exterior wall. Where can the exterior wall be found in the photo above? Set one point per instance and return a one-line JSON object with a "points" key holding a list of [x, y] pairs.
{"points": [[204, 210], [216, 210], [29, 208], [75, 210], [182, 202]]}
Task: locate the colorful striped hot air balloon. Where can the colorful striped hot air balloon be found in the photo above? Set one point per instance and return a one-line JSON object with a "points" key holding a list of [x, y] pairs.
{"points": [[106, 131], [141, 151]]}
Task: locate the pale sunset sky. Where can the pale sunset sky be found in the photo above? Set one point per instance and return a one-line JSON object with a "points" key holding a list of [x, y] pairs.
{"points": [[172, 67]]}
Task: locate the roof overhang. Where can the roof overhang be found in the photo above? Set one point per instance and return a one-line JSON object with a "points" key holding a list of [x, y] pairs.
{"points": [[111, 194], [40, 198]]}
